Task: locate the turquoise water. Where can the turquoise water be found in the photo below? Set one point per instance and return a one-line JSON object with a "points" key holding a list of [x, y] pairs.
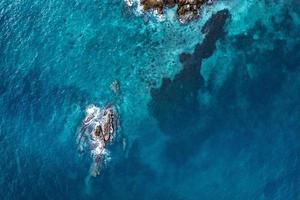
{"points": [[220, 121]]}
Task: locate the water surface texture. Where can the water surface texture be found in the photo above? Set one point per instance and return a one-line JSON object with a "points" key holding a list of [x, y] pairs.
{"points": [[208, 110]]}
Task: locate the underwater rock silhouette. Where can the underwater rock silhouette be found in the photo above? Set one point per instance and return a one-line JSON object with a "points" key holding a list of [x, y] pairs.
{"points": [[176, 100]]}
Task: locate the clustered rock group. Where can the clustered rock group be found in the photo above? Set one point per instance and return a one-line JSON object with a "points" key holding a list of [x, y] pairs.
{"points": [[186, 9], [96, 132]]}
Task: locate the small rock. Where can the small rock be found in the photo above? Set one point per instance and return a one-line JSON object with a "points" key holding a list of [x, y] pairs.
{"points": [[115, 87]]}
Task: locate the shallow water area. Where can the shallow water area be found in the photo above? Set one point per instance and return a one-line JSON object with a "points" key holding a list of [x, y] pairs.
{"points": [[241, 142]]}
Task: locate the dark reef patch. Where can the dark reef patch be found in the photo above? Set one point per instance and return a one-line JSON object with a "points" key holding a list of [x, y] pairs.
{"points": [[175, 104], [270, 68]]}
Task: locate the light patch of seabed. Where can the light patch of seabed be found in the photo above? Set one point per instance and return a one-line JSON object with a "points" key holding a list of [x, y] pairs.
{"points": [[160, 59], [262, 11], [136, 92], [86, 32]]}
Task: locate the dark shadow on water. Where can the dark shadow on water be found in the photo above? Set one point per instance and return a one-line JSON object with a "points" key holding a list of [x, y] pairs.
{"points": [[244, 101], [175, 104], [272, 66]]}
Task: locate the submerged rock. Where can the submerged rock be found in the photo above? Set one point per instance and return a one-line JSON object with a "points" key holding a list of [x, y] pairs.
{"points": [[115, 87], [98, 129]]}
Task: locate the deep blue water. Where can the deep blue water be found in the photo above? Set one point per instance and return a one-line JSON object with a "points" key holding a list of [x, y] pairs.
{"points": [[207, 113]]}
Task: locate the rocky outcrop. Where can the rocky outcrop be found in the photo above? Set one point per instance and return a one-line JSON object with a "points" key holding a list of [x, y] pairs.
{"points": [[186, 9], [96, 132]]}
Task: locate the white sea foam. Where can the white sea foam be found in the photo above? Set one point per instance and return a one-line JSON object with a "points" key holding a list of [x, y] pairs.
{"points": [[170, 13]]}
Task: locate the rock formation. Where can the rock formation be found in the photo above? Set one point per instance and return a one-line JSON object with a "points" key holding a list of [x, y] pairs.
{"points": [[96, 132], [186, 10]]}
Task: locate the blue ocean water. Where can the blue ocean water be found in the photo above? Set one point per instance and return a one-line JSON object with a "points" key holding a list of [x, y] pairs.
{"points": [[209, 110]]}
